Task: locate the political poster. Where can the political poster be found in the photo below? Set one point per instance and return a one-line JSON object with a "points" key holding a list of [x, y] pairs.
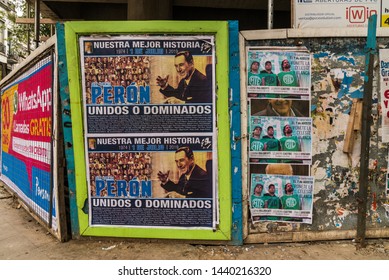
{"points": [[27, 139], [280, 140], [279, 126], [150, 136], [278, 73], [281, 198]]}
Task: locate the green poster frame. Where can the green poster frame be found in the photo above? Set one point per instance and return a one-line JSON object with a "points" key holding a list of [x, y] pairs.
{"points": [[217, 28]]}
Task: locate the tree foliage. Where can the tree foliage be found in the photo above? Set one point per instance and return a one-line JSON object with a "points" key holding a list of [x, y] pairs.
{"points": [[18, 33]]}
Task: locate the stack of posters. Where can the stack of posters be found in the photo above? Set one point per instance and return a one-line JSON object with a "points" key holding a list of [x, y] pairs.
{"points": [[279, 134]]}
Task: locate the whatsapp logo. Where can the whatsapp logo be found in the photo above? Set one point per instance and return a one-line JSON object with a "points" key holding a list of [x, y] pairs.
{"points": [[16, 102]]}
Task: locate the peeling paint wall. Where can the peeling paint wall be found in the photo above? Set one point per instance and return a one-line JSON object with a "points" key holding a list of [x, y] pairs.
{"points": [[337, 77], [338, 72]]}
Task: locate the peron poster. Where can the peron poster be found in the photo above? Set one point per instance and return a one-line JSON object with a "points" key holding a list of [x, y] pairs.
{"points": [[150, 135]]}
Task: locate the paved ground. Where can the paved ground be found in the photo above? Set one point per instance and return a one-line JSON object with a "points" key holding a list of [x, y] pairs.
{"points": [[22, 238]]}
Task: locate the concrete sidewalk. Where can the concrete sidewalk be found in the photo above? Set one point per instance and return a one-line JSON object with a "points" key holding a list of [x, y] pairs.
{"points": [[22, 238]]}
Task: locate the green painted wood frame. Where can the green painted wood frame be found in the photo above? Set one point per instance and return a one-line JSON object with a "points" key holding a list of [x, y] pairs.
{"points": [[220, 30]]}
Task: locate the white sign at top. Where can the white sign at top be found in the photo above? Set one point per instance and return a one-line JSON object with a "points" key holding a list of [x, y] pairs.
{"points": [[334, 13]]}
